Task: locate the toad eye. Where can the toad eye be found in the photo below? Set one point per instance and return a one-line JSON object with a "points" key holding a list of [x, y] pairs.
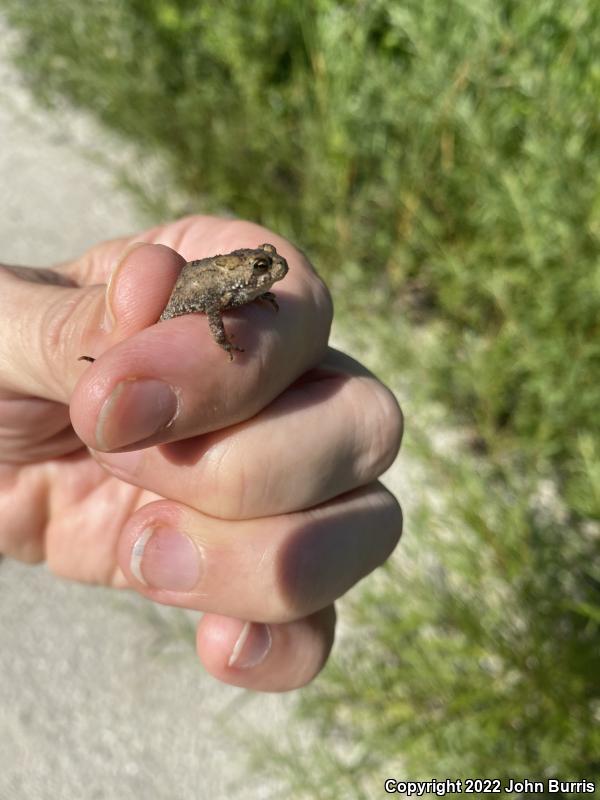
{"points": [[261, 264]]}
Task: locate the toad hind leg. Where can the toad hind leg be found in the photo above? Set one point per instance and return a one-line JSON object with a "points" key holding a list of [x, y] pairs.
{"points": [[217, 329]]}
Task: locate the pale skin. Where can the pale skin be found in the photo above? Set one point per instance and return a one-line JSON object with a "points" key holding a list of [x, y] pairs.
{"points": [[258, 479]]}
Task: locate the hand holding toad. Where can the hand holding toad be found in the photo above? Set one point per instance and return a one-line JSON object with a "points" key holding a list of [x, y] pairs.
{"points": [[247, 490]]}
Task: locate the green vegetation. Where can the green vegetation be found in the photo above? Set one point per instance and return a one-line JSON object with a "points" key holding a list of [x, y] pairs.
{"points": [[445, 159]]}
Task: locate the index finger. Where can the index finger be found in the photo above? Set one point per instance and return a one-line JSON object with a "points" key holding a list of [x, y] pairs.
{"points": [[171, 381]]}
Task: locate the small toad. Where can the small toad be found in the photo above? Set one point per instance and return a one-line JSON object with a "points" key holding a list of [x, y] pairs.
{"points": [[226, 281]]}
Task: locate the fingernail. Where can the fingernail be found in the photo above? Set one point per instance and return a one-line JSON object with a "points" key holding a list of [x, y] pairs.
{"points": [[109, 321], [252, 646], [163, 558], [135, 410]]}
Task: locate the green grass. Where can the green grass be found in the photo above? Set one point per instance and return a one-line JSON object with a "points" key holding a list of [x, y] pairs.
{"points": [[440, 163]]}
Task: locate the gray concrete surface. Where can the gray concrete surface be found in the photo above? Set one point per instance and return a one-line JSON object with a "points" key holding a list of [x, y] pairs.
{"points": [[103, 697]]}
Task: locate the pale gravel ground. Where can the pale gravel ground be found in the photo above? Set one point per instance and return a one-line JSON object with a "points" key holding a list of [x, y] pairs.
{"points": [[98, 697]]}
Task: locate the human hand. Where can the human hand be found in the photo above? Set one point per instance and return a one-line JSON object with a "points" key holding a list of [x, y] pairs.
{"points": [[247, 490]]}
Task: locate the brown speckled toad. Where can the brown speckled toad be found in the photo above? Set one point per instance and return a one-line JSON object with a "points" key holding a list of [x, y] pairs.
{"points": [[214, 284]]}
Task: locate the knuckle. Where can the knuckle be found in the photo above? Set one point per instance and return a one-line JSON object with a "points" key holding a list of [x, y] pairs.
{"points": [[227, 485], [60, 333], [29, 552], [394, 523], [300, 585], [21, 533], [323, 301], [59, 323], [235, 485], [383, 428], [27, 547], [286, 606], [320, 307]]}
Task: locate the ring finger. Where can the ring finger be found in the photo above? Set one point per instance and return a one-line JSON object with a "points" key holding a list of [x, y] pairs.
{"points": [[274, 569]]}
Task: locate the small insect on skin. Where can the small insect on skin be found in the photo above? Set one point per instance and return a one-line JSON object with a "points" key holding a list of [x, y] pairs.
{"points": [[212, 285]]}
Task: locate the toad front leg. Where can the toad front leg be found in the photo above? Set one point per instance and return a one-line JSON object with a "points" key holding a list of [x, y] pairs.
{"points": [[217, 329], [269, 297]]}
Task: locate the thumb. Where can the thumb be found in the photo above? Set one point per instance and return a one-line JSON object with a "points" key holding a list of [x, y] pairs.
{"points": [[48, 321]]}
